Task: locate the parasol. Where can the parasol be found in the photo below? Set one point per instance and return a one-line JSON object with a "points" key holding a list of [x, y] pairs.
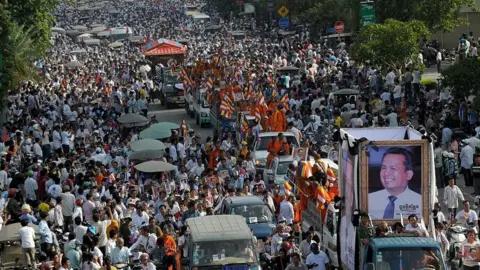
{"points": [[165, 126], [115, 44], [73, 64], [147, 144], [133, 120], [57, 30], [146, 155], [154, 166], [80, 27], [152, 133]]}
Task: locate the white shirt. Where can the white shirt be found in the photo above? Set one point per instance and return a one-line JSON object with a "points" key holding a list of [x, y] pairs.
{"points": [[320, 259], [31, 188], [148, 242], [80, 232], [419, 228], [466, 157], [138, 221], [57, 139], [173, 152], [466, 218], [181, 150], [397, 91], [27, 235], [286, 211], [407, 203], [451, 195], [65, 138], [389, 79], [304, 247], [150, 266]]}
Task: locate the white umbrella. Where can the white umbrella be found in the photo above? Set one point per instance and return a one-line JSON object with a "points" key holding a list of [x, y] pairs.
{"points": [[145, 68], [72, 32], [80, 27], [98, 29], [78, 51], [95, 25], [115, 44], [133, 120], [92, 41], [154, 166], [57, 30], [104, 34]]}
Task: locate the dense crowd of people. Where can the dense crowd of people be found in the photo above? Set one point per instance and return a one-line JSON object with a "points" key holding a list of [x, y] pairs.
{"points": [[65, 159]]}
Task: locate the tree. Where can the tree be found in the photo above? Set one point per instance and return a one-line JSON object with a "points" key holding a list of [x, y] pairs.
{"points": [[324, 13], [389, 44], [462, 77], [438, 15]]}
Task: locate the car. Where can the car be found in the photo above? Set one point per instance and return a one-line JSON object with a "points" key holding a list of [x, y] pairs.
{"points": [[260, 146], [258, 215]]}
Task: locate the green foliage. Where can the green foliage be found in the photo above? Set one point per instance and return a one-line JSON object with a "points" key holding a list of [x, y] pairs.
{"points": [[390, 44], [438, 15], [324, 13], [462, 77], [428, 82]]}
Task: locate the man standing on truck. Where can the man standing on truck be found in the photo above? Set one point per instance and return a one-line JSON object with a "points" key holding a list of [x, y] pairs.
{"points": [[395, 174]]}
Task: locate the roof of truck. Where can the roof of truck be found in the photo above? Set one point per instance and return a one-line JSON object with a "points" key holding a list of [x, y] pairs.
{"points": [[395, 242], [271, 134], [218, 228]]}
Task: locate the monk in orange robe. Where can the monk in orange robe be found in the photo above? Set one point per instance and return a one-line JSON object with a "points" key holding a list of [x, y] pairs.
{"points": [[280, 119], [213, 156], [281, 146]]}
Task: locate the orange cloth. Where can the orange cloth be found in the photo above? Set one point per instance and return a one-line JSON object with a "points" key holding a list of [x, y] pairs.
{"points": [[114, 225], [213, 156], [99, 179], [271, 123], [279, 145], [298, 213], [169, 244], [270, 158], [270, 144], [280, 122]]}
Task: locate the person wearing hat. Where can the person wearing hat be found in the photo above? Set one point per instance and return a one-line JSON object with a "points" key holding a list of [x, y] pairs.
{"points": [[27, 214], [31, 188]]}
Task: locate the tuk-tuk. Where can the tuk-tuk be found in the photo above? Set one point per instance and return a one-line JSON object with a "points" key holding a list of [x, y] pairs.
{"points": [[287, 70]]}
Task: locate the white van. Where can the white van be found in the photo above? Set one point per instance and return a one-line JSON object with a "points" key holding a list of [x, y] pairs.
{"points": [[260, 146]]}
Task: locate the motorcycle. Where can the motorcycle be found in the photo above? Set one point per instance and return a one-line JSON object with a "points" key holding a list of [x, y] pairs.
{"points": [[455, 235]]}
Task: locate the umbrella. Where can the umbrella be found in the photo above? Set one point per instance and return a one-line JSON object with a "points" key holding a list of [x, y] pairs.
{"points": [[152, 133], [73, 64], [57, 30], [154, 166], [80, 27], [10, 232], [104, 34], [72, 32], [166, 126], [147, 144], [146, 155], [133, 120], [98, 29], [92, 41], [80, 51], [145, 68], [346, 92], [95, 25], [135, 39], [115, 44]]}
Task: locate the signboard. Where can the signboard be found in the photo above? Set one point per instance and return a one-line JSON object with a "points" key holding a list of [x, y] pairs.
{"points": [[283, 23], [331, 30], [239, 3], [339, 27], [283, 11], [270, 5], [367, 13]]}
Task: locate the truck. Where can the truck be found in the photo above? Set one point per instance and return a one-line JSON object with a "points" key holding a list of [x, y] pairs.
{"points": [[201, 108], [261, 143], [171, 92], [364, 169]]}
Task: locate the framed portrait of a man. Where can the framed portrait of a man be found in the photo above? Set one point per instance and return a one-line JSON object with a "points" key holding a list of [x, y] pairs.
{"points": [[394, 180]]}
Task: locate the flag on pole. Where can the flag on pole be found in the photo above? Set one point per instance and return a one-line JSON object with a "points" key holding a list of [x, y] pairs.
{"points": [[210, 83], [286, 102]]}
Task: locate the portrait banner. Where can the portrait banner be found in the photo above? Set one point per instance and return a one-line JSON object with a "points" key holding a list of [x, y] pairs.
{"points": [[395, 180]]}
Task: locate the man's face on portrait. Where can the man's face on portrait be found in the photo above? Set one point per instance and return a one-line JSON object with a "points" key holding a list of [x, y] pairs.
{"points": [[394, 175]]}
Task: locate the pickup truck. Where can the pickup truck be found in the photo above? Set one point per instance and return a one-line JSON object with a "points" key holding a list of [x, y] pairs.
{"points": [[260, 146]]}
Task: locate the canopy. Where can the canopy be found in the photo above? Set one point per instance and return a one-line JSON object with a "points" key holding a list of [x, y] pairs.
{"points": [[116, 44], [98, 29], [72, 32], [57, 30], [146, 155], [74, 64], [147, 144], [80, 51], [166, 126], [133, 120], [135, 39], [9, 233], [80, 27], [92, 41], [346, 92], [103, 34], [95, 25], [154, 166], [153, 133]]}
